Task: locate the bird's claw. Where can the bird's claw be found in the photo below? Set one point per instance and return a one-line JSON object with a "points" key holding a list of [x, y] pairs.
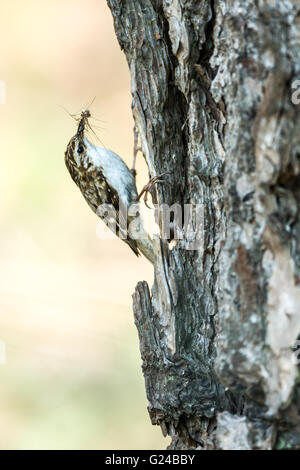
{"points": [[147, 188]]}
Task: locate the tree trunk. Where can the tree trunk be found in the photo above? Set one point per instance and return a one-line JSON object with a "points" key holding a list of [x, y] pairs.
{"points": [[211, 84]]}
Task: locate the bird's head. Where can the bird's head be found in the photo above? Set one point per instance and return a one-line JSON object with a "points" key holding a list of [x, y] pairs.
{"points": [[76, 149]]}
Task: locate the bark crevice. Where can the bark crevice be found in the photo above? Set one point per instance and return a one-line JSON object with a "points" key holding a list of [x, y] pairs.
{"points": [[211, 97]]}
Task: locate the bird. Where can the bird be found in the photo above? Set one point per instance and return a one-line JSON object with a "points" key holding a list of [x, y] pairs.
{"points": [[104, 179]]}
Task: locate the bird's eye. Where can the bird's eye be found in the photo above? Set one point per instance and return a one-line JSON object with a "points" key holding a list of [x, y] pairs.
{"points": [[80, 149]]}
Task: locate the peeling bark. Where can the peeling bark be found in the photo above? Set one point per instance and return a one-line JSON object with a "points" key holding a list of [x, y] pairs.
{"points": [[211, 98]]}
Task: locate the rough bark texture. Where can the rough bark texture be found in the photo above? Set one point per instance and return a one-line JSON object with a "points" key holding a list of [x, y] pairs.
{"points": [[211, 87]]}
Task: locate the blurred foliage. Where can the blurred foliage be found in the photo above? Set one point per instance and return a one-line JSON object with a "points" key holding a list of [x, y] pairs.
{"points": [[72, 377]]}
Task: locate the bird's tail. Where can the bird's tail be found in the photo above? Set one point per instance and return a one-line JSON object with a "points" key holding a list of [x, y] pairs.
{"points": [[142, 238], [145, 245]]}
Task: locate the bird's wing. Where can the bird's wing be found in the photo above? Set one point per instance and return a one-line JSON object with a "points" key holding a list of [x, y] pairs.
{"points": [[99, 195]]}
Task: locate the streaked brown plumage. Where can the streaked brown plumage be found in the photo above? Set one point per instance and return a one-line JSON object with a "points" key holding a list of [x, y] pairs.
{"points": [[103, 178]]}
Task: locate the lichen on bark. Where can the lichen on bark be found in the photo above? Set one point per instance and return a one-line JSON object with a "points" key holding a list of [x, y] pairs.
{"points": [[211, 97]]}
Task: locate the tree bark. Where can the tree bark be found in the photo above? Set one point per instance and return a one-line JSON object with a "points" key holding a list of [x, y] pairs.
{"points": [[211, 85]]}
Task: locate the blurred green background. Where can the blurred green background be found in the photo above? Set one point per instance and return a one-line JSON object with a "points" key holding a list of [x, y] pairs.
{"points": [[72, 378]]}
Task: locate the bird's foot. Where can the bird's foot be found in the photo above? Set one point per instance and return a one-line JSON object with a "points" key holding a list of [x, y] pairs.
{"points": [[148, 188]]}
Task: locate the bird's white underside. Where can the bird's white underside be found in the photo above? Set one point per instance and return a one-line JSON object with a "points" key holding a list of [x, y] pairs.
{"points": [[115, 171], [121, 179]]}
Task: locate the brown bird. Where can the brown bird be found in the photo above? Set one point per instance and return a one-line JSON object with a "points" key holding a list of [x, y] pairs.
{"points": [[104, 178]]}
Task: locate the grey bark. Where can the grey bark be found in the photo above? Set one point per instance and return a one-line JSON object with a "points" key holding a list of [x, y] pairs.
{"points": [[211, 97]]}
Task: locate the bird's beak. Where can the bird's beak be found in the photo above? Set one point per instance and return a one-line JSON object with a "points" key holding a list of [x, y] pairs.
{"points": [[80, 130]]}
